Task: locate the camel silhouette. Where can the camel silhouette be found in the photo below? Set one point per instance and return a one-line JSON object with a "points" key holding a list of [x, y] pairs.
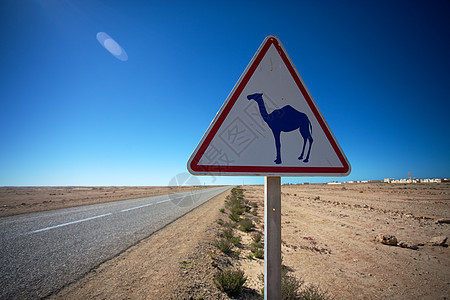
{"points": [[285, 119]]}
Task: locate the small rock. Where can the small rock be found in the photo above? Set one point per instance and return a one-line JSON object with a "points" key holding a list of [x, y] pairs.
{"points": [[386, 239], [438, 241], [408, 245], [443, 221]]}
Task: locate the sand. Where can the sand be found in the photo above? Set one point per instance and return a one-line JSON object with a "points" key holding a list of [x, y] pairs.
{"points": [[21, 200], [328, 239]]}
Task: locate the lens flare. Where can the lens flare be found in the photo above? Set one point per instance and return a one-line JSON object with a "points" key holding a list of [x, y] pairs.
{"points": [[112, 46]]}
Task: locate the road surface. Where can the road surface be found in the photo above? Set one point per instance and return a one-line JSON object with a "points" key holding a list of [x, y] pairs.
{"points": [[40, 253]]}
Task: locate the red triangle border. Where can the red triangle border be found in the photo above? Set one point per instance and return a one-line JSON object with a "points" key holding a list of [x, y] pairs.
{"points": [[264, 170]]}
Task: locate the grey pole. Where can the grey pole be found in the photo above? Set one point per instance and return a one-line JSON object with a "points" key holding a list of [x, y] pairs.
{"points": [[272, 238]]}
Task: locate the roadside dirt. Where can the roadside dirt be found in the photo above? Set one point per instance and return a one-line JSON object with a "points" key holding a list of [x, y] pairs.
{"points": [[21, 200], [328, 236], [173, 263]]}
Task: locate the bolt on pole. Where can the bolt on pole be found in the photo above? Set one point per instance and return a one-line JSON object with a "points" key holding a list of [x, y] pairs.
{"points": [[272, 236]]}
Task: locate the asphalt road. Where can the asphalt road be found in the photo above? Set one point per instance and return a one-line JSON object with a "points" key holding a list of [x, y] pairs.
{"points": [[40, 253]]}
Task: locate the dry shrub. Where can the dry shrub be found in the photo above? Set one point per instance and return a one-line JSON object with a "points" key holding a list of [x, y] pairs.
{"points": [[230, 281]]}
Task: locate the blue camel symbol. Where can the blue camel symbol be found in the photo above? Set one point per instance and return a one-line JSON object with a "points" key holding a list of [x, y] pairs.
{"points": [[285, 119]]}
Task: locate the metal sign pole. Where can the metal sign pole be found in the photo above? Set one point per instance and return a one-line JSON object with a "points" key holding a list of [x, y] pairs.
{"points": [[272, 236]]}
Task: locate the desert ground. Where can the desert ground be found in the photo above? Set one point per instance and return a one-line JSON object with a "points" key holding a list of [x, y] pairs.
{"points": [[20, 200], [328, 239]]}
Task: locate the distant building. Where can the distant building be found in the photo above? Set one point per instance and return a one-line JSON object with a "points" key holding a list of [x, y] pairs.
{"points": [[431, 180], [404, 180], [413, 180]]}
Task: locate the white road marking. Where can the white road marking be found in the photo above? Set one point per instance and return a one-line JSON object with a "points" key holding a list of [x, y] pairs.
{"points": [[70, 223], [108, 214], [145, 205], [164, 201], [128, 209]]}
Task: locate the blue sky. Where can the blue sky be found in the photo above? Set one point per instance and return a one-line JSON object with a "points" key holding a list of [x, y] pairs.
{"points": [[73, 114]]}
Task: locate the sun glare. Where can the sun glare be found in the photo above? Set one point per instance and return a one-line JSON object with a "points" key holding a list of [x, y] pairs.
{"points": [[112, 46]]}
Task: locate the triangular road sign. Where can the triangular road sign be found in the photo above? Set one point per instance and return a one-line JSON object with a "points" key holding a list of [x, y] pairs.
{"points": [[269, 125]]}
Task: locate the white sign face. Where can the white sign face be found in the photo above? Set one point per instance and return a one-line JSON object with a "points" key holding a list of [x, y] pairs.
{"points": [[269, 125]]}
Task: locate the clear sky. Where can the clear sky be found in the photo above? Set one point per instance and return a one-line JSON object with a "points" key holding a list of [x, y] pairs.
{"points": [[71, 113]]}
